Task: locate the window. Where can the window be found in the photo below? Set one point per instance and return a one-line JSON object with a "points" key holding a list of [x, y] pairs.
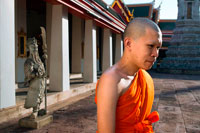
{"points": [[21, 44], [189, 10]]}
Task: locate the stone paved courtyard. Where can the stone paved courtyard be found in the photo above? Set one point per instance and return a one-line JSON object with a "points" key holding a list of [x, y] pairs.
{"points": [[177, 99]]}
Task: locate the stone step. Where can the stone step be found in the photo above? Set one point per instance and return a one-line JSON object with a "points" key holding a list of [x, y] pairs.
{"points": [[193, 54], [189, 63], [182, 47]]}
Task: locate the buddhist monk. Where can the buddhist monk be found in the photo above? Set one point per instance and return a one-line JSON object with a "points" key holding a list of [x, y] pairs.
{"points": [[125, 91]]}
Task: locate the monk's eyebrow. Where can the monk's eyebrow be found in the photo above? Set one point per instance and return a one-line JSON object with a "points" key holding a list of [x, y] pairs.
{"points": [[158, 45], [151, 43]]}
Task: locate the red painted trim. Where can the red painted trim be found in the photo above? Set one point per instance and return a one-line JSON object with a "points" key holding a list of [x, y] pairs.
{"points": [[110, 16], [167, 31], [124, 7], [115, 17], [103, 25], [79, 11], [138, 5], [170, 34], [167, 20], [101, 14], [166, 39], [118, 10], [108, 13], [75, 10]]}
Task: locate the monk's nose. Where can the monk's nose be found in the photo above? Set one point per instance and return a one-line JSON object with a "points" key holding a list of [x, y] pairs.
{"points": [[155, 53]]}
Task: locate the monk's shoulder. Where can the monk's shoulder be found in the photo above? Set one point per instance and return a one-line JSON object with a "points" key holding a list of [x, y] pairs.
{"points": [[110, 77], [109, 81]]}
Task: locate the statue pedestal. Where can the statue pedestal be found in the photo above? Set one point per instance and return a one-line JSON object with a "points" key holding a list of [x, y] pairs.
{"points": [[37, 123]]}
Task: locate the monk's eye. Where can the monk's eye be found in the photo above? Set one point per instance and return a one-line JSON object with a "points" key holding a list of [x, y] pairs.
{"points": [[158, 48], [150, 46]]}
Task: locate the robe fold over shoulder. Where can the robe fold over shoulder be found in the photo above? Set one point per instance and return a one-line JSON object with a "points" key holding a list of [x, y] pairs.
{"points": [[133, 111]]}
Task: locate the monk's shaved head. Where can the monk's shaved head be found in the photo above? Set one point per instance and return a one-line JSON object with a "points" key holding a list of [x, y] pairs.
{"points": [[137, 27]]}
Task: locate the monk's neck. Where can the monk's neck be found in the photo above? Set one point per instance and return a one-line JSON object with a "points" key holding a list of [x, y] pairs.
{"points": [[125, 67]]}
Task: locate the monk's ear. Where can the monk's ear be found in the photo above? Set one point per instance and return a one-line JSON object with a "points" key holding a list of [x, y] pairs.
{"points": [[127, 42]]}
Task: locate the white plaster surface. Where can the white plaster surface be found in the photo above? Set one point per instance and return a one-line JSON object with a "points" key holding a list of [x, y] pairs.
{"points": [[7, 53], [90, 67], [59, 59], [107, 49]]}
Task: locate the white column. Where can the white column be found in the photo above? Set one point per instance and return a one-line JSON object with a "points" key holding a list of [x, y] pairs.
{"points": [[107, 49], [90, 60], [76, 44], [119, 47], [7, 53], [59, 59]]}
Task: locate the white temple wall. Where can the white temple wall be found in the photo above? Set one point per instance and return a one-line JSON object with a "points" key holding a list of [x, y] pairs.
{"points": [[7, 53], [59, 59], [90, 67]]}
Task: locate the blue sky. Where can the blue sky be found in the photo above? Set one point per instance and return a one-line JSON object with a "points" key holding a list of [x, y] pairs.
{"points": [[168, 8]]}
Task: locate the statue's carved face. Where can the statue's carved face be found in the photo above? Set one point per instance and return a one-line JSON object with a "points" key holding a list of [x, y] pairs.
{"points": [[32, 43]]}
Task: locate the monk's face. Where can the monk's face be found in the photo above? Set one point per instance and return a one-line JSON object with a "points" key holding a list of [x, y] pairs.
{"points": [[145, 49]]}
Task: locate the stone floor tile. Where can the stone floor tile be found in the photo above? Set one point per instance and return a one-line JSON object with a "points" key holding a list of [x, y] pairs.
{"points": [[168, 102], [180, 84], [196, 93], [168, 117], [161, 127], [191, 107], [168, 87], [191, 130], [191, 119], [185, 97], [169, 109]]}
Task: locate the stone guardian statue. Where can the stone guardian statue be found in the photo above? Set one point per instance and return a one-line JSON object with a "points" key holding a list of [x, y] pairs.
{"points": [[35, 76]]}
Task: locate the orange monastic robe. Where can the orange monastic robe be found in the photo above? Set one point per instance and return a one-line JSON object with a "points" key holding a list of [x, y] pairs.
{"points": [[134, 106]]}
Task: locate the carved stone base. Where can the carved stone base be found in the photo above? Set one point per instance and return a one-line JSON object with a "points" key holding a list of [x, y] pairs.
{"points": [[183, 55], [37, 123], [178, 71], [181, 59]]}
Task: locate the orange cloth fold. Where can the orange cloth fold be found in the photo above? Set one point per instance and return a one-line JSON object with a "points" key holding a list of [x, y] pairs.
{"points": [[134, 106]]}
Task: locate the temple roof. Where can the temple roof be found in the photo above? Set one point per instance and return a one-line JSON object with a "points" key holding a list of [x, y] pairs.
{"points": [[109, 9], [120, 7], [114, 17], [129, 11]]}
